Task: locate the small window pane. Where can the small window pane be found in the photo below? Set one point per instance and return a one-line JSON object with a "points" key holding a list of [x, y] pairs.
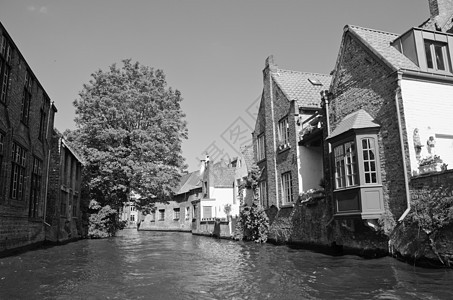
{"points": [[439, 57], [429, 59]]}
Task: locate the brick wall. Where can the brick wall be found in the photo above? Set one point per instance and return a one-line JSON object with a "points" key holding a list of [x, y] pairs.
{"points": [[19, 227], [363, 82], [273, 107]]}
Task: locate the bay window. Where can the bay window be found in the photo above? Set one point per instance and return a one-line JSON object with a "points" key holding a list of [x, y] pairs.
{"points": [[357, 188]]}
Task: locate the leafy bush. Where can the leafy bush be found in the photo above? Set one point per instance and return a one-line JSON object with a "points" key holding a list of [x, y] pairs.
{"points": [[104, 221], [255, 223]]}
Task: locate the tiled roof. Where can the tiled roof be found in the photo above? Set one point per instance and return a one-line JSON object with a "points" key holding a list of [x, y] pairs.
{"points": [[188, 182], [297, 86], [221, 175], [356, 120], [379, 43]]}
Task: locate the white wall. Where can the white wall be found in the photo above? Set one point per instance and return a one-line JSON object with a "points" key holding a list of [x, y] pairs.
{"points": [[311, 167], [429, 108], [219, 197]]}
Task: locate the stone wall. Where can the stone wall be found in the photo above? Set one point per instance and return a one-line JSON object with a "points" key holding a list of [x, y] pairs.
{"points": [[410, 240]]}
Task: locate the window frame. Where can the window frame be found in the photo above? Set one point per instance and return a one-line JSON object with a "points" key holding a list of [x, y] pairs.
{"points": [[262, 187], [176, 213], [5, 67], [283, 131], [35, 187], [430, 57], [361, 161], [26, 99], [260, 147], [161, 215], [18, 172], [287, 186]]}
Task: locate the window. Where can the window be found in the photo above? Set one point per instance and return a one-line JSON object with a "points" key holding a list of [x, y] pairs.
{"points": [[176, 213], [26, 99], [207, 212], [18, 172], [260, 147], [263, 193], [35, 190], [283, 131], [161, 214], [437, 56], [345, 165], [5, 58], [153, 216], [369, 160], [132, 218], [42, 125], [287, 188]]}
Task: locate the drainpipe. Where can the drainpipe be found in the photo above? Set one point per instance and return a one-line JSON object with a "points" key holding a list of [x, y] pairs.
{"points": [[403, 153], [48, 164], [325, 95]]}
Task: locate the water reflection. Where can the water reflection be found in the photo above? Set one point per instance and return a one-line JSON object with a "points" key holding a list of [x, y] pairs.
{"points": [[154, 265]]}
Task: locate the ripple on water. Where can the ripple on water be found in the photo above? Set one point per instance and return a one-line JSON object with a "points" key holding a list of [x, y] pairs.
{"points": [[159, 265]]}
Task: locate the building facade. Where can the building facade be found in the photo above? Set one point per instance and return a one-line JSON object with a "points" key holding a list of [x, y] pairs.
{"points": [[64, 215], [179, 213], [289, 99], [26, 124]]}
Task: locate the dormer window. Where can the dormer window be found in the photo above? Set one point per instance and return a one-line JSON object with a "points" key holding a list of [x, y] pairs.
{"points": [[437, 57]]}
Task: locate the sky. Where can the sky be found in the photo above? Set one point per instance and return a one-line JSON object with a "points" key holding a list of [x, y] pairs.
{"points": [[212, 51]]}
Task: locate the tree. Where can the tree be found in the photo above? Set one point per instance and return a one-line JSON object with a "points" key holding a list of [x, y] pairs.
{"points": [[130, 127]]}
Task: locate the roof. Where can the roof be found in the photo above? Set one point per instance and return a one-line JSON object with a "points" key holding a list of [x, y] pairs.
{"points": [[188, 182], [221, 175], [380, 43], [356, 120], [248, 155], [301, 86]]}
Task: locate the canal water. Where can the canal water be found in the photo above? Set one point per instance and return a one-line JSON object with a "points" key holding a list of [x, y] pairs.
{"points": [[168, 265]]}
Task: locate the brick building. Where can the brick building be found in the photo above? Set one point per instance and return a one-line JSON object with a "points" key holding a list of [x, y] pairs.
{"points": [[388, 114], [64, 220], [26, 124], [289, 99], [179, 213]]}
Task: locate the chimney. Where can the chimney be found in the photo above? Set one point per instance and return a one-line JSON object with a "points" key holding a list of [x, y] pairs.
{"points": [[269, 64], [441, 13]]}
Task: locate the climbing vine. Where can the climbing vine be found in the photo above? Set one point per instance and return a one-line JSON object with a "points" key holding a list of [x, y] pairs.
{"points": [[433, 215], [253, 223]]}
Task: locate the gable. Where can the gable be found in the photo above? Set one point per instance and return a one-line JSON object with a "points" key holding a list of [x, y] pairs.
{"points": [[357, 66]]}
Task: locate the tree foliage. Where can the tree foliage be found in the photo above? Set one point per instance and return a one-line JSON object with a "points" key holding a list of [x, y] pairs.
{"points": [[130, 127]]}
